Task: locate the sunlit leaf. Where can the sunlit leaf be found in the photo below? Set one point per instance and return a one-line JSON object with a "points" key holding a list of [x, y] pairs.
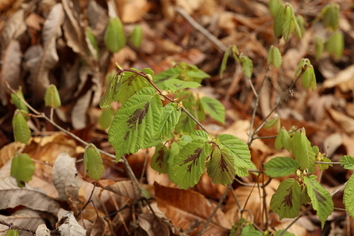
{"points": [[320, 198], [214, 108], [288, 21], [114, 84], [274, 6], [286, 200], [22, 168], [17, 101], [175, 85], [22, 132], [169, 118], [280, 166], [283, 140], [114, 37], [159, 160], [274, 57], [136, 122], [172, 73], [247, 66], [347, 162], [185, 124], [12, 232], [249, 230], [189, 165], [93, 162], [106, 118], [308, 78], [302, 150]]}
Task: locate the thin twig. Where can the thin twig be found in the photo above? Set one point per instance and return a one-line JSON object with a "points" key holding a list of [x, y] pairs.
{"points": [[296, 219], [123, 158], [11, 226], [328, 163], [215, 210], [282, 98], [201, 29]]}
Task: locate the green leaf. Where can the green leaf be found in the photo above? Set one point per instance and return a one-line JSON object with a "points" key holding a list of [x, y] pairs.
{"points": [[136, 36], [330, 16], [289, 21], [299, 26], [335, 44], [249, 230], [12, 232], [286, 233], [274, 6], [51, 97], [286, 200], [280, 166], [347, 162], [130, 84], [309, 78], [302, 150], [348, 196], [189, 165], [93, 47], [319, 48], [272, 122], [325, 166], [114, 84], [214, 108], [22, 168], [17, 101], [278, 22], [185, 124], [320, 198], [274, 57], [169, 118], [172, 73], [304, 62], [192, 73], [93, 162], [160, 159], [221, 166], [247, 65], [22, 132], [136, 122], [224, 62], [106, 118], [114, 37], [239, 151], [175, 85], [283, 140], [201, 116]]}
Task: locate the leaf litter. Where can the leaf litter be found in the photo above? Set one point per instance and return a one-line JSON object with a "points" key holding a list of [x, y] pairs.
{"points": [[54, 53]]}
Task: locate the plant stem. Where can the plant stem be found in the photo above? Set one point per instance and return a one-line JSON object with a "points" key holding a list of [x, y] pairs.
{"points": [[215, 210]]}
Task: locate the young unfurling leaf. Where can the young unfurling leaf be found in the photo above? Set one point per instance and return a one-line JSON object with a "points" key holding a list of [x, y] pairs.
{"points": [[114, 37], [136, 36], [22, 168], [17, 101], [52, 98], [247, 65], [274, 57], [93, 162], [22, 132]]}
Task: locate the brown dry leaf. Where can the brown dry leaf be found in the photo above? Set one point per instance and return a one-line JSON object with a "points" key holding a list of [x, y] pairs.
{"points": [[124, 188], [206, 187], [65, 178], [344, 80], [98, 227], [26, 196], [5, 4], [189, 210], [40, 60], [344, 121], [132, 11], [153, 225], [251, 196], [348, 142], [25, 218], [14, 27], [78, 113], [34, 21], [8, 152]]}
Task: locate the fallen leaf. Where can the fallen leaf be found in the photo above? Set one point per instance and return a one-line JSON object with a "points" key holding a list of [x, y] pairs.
{"points": [[153, 225], [344, 80], [344, 121], [26, 196], [42, 230], [124, 188], [189, 210], [67, 224], [40, 60], [65, 178]]}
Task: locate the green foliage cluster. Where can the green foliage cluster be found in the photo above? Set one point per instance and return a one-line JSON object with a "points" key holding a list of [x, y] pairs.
{"points": [[162, 111]]}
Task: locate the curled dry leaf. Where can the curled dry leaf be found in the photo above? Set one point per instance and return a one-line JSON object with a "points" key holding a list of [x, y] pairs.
{"points": [[98, 227], [26, 196], [65, 178], [344, 80], [124, 188], [25, 218], [153, 225], [189, 210], [67, 224], [8, 152], [344, 121], [42, 230], [40, 60]]}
